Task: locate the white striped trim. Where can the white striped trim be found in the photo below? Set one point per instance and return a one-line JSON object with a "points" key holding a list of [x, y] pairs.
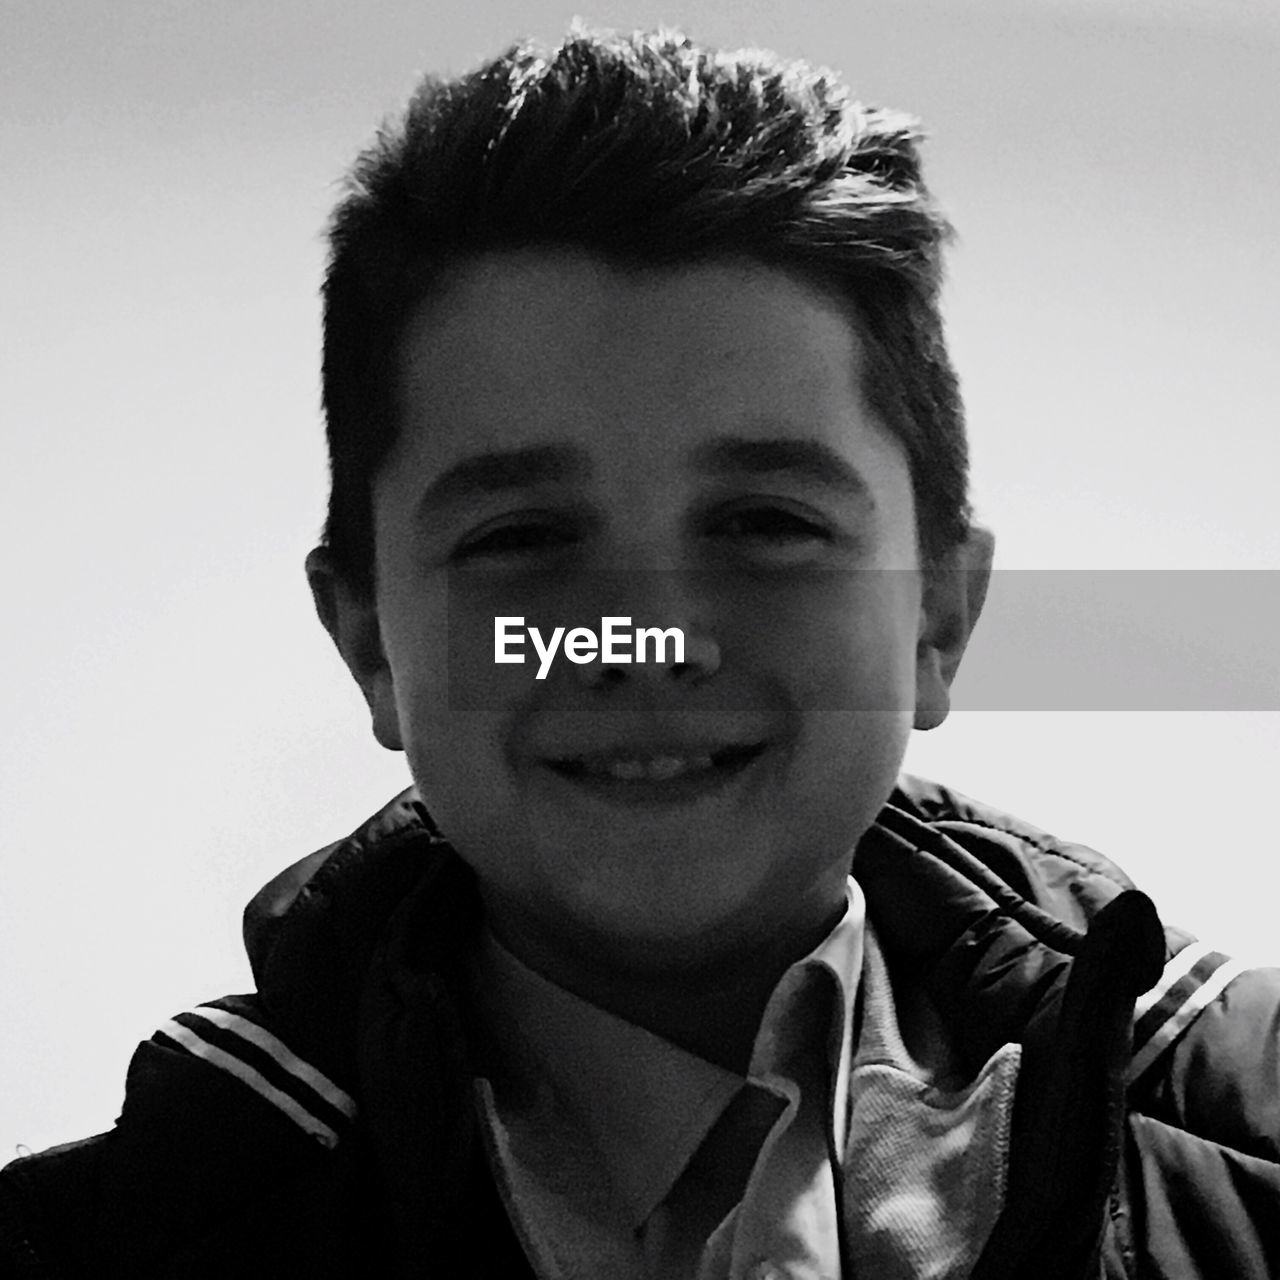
{"points": [[254, 1079], [1174, 971], [1185, 1014], [281, 1052]]}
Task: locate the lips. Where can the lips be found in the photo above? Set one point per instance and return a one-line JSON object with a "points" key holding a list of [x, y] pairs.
{"points": [[656, 764]]}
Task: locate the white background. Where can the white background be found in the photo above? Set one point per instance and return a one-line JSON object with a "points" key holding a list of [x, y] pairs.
{"points": [[176, 728]]}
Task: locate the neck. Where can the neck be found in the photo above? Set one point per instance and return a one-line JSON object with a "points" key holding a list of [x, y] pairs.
{"points": [[712, 1008]]}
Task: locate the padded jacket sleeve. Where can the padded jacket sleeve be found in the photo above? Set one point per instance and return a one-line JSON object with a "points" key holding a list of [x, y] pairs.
{"points": [[1201, 1162]]}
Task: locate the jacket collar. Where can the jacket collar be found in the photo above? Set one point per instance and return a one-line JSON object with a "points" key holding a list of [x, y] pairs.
{"points": [[395, 890], [359, 952], [1000, 969]]}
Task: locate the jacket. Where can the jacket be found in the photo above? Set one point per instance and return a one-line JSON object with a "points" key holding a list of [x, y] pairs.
{"points": [[325, 1124]]}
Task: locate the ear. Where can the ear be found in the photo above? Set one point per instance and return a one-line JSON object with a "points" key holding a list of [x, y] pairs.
{"points": [[350, 617], [954, 592]]}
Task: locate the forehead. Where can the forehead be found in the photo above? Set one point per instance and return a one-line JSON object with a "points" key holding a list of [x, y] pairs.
{"points": [[530, 348]]}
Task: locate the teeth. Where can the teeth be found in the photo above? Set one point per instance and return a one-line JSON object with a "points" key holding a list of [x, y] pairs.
{"points": [[658, 769], [628, 770]]}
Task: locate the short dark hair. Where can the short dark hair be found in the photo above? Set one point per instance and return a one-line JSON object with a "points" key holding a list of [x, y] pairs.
{"points": [[648, 150]]}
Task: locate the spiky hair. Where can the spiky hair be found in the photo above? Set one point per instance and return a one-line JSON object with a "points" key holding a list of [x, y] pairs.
{"points": [[648, 150]]}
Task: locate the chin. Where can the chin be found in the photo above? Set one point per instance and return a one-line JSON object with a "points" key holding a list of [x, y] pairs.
{"points": [[684, 898]]}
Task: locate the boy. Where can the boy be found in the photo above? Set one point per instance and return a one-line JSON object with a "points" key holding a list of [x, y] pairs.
{"points": [[660, 969]]}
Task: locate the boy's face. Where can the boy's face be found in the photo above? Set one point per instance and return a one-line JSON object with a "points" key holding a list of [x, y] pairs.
{"points": [[704, 460]]}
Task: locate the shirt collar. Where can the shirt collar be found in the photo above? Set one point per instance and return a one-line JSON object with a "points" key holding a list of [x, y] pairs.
{"points": [[645, 1104], [839, 954]]}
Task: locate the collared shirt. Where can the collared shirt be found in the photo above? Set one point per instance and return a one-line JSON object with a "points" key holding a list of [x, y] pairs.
{"points": [[619, 1153]]}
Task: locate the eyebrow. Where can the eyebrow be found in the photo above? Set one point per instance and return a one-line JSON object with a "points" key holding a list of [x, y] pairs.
{"points": [[504, 469], [810, 461]]}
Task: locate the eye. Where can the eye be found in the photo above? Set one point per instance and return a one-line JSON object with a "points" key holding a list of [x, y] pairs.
{"points": [[517, 538], [772, 526]]}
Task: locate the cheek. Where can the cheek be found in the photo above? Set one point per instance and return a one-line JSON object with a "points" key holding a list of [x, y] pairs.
{"points": [[441, 724], [457, 762], [454, 703], [843, 643], [439, 641]]}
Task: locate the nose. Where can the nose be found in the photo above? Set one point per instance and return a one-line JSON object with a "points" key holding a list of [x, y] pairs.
{"points": [[658, 600], [698, 663]]}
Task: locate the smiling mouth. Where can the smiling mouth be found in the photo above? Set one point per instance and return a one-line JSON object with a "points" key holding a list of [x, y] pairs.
{"points": [[658, 767]]}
